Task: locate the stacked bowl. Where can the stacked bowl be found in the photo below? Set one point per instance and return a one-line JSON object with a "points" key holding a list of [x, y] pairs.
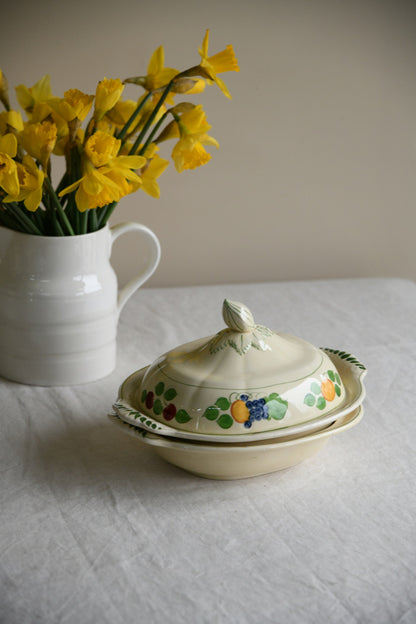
{"points": [[244, 402]]}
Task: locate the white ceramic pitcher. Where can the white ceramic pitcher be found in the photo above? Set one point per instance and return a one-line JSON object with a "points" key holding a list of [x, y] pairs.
{"points": [[60, 304]]}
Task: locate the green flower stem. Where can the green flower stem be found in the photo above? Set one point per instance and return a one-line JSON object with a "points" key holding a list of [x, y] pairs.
{"points": [[93, 221], [106, 213], [83, 229], [27, 224], [151, 117], [152, 134], [58, 206], [128, 123]]}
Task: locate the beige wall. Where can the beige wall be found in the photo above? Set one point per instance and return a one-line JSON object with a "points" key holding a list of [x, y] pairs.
{"points": [[315, 175]]}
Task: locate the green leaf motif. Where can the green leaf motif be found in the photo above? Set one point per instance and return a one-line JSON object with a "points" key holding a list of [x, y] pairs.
{"points": [[277, 408], [211, 412], [331, 375], [159, 388], [337, 379], [272, 397], [309, 400], [170, 394], [222, 403], [225, 421], [144, 394], [316, 388], [158, 407], [182, 416], [321, 403], [337, 390]]}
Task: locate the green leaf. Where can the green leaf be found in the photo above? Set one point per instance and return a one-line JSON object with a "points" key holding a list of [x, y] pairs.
{"points": [[273, 396], [170, 394], [144, 394], [225, 421], [337, 379], [158, 407], [160, 388], [331, 375], [182, 416], [309, 400], [321, 403], [316, 388], [222, 403], [211, 412], [277, 408], [337, 390]]}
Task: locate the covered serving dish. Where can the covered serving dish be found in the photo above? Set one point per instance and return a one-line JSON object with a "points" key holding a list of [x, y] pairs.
{"points": [[244, 380]]}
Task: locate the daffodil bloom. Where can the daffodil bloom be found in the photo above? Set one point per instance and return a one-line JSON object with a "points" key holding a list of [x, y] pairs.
{"points": [[10, 121], [192, 128], [29, 96], [39, 139], [107, 177], [30, 183], [121, 113], [157, 75], [107, 95], [101, 148], [9, 180], [222, 62], [74, 105], [154, 167]]}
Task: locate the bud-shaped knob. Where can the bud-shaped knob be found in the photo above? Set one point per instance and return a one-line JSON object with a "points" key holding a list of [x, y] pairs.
{"points": [[237, 316]]}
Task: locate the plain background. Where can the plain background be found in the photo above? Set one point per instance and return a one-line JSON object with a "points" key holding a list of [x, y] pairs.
{"points": [[315, 175]]}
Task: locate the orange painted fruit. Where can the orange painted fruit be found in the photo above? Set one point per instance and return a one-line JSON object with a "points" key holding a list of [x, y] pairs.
{"points": [[239, 411], [328, 390]]}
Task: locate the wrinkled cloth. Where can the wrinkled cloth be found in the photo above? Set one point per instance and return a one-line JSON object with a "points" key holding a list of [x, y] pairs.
{"points": [[96, 528]]}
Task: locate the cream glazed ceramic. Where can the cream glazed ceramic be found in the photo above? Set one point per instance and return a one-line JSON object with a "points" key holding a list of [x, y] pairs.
{"points": [[243, 380], [240, 461]]}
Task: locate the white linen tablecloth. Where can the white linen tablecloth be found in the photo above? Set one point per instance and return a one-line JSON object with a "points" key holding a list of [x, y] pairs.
{"points": [[96, 529]]}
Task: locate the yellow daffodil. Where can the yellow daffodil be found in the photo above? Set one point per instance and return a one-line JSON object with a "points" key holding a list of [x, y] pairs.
{"points": [[9, 180], [157, 74], [153, 168], [31, 184], [121, 113], [39, 139], [10, 121], [29, 96], [4, 91], [75, 105], [108, 93], [192, 128], [101, 148], [107, 176], [221, 62]]}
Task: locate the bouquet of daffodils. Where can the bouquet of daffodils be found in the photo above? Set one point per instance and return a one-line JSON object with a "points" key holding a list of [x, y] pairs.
{"points": [[113, 155]]}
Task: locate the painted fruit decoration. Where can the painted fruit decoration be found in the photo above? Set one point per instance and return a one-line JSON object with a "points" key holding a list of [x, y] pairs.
{"points": [[322, 393]]}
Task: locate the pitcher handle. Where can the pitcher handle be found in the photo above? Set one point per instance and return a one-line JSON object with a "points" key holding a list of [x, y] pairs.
{"points": [[153, 258]]}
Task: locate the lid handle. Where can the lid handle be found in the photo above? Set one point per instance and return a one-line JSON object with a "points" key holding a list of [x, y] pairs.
{"points": [[237, 316]]}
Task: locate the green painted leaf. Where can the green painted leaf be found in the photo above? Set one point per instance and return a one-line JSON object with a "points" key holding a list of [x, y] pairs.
{"points": [[277, 408], [331, 375], [211, 412], [316, 388], [222, 403], [225, 421], [158, 407], [170, 394], [182, 416], [309, 400], [160, 387], [337, 379], [273, 396], [337, 390], [144, 394], [321, 403]]}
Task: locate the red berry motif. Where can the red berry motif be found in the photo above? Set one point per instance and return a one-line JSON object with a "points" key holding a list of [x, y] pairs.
{"points": [[149, 400], [169, 412]]}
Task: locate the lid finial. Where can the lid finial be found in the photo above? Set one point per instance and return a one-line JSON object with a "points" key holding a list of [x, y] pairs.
{"points": [[237, 316]]}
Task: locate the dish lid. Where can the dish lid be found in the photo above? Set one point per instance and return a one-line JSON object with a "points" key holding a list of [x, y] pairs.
{"points": [[244, 379]]}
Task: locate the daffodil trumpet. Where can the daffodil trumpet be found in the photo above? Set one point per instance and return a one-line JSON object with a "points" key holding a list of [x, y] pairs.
{"points": [[117, 152]]}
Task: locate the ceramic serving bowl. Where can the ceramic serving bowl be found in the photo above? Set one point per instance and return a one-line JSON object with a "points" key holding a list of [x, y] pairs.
{"points": [[245, 380], [241, 460]]}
